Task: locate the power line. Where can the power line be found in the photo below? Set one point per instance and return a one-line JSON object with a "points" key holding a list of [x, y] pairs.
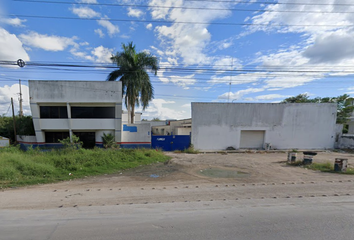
{"points": [[181, 7], [273, 3], [180, 22], [194, 69]]}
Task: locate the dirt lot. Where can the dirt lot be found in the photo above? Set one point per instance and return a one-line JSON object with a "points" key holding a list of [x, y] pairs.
{"points": [[191, 177]]}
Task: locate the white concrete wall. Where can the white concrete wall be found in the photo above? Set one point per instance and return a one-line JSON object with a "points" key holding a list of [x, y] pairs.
{"points": [[346, 141], [183, 131], [26, 139], [142, 135], [216, 126], [137, 117], [75, 91]]}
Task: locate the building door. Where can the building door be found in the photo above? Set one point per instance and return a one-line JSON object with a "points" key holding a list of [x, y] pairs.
{"points": [[87, 138], [252, 139]]}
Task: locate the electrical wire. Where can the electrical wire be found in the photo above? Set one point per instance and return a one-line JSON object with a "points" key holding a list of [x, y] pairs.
{"points": [[180, 22], [181, 7]]}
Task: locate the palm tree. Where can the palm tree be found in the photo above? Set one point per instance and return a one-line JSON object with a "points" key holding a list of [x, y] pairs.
{"points": [[135, 80]]}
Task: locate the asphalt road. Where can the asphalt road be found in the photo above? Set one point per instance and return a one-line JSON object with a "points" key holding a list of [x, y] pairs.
{"points": [[318, 218]]}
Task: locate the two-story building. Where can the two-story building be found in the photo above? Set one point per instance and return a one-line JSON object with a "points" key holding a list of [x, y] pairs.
{"points": [[84, 108]]}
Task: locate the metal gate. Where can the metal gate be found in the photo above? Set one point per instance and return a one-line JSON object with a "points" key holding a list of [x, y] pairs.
{"points": [[171, 142]]}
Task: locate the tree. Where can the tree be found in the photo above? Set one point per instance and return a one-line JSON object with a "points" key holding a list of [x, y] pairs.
{"points": [[344, 104], [135, 80], [24, 126]]}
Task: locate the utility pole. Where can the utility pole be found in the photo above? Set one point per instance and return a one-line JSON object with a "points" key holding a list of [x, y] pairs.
{"points": [[21, 110], [14, 119], [232, 65]]}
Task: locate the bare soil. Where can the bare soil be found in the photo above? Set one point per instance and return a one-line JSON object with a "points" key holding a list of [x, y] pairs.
{"points": [[183, 179]]}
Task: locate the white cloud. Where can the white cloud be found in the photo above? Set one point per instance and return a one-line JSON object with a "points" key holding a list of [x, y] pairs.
{"points": [[183, 81], [332, 47], [7, 92], [102, 54], [85, 12], [225, 63], [11, 47], [238, 79], [16, 22], [187, 105], [157, 108], [326, 49], [112, 29], [87, 1], [188, 41], [271, 97], [149, 26], [100, 33], [99, 54], [239, 94], [82, 55], [132, 12], [48, 43]]}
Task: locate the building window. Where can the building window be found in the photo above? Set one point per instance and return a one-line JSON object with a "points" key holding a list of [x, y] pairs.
{"points": [[54, 137], [53, 112], [93, 112]]}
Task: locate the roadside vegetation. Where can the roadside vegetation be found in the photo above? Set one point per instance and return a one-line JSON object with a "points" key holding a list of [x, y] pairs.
{"points": [[19, 168], [323, 167]]}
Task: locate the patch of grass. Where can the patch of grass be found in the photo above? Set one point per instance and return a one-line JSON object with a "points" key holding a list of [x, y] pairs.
{"points": [[18, 168], [190, 150], [323, 167]]}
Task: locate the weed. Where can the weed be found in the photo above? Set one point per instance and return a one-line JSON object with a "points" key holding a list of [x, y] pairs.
{"points": [[190, 150], [19, 168], [323, 167]]}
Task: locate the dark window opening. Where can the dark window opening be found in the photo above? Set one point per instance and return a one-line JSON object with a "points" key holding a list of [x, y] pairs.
{"points": [[53, 112], [93, 112], [54, 137], [87, 138]]}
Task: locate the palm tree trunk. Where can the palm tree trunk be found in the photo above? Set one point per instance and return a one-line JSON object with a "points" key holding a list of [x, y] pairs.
{"points": [[132, 113], [128, 109]]}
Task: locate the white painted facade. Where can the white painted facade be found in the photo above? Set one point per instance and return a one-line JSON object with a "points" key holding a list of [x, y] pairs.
{"points": [[137, 117], [70, 94], [216, 126]]}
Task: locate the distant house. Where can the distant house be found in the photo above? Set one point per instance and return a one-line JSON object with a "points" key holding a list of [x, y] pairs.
{"points": [[217, 126], [174, 127], [4, 142], [87, 109]]}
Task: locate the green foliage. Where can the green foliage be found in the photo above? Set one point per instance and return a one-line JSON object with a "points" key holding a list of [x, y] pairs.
{"points": [[344, 104], [73, 143], [323, 167], [136, 83], [191, 150], [24, 126], [156, 119], [32, 167], [108, 141]]}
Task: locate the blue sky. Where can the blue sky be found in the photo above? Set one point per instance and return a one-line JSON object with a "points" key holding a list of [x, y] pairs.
{"points": [[209, 50]]}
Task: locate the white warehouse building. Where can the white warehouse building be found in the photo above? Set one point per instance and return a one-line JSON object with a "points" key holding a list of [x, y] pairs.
{"points": [[84, 108], [217, 126]]}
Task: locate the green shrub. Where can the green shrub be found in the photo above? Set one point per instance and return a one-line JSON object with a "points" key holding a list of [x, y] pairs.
{"points": [[73, 143], [109, 141]]}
